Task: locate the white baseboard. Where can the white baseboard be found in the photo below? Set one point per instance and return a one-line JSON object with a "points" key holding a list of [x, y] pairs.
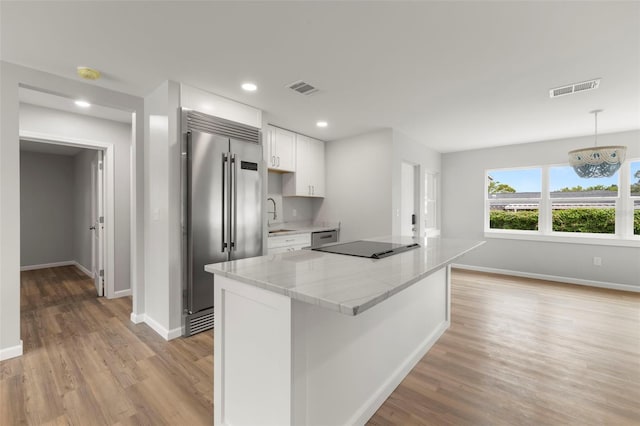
{"points": [[158, 328], [11, 352], [370, 407], [83, 269], [567, 280], [47, 265], [122, 293], [136, 318], [57, 264]]}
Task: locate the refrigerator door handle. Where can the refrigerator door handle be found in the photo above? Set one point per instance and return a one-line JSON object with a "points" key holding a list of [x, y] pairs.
{"points": [[225, 195], [234, 204]]}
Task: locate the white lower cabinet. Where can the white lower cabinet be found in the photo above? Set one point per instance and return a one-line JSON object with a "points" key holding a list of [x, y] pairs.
{"points": [[285, 243]]}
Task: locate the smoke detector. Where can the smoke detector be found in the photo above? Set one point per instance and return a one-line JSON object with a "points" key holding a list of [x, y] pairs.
{"points": [[302, 87], [88, 73], [574, 88]]}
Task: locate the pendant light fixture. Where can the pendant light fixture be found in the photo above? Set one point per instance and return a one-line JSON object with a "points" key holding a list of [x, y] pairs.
{"points": [[603, 161]]}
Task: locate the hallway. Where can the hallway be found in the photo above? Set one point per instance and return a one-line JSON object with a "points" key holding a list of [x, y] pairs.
{"points": [[85, 363]]}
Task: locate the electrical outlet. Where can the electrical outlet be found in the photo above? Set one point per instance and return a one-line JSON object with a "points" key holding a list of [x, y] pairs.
{"points": [[597, 261], [294, 213]]}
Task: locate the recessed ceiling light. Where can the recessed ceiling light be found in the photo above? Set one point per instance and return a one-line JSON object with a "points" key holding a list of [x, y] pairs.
{"points": [[322, 124], [249, 87], [83, 104]]}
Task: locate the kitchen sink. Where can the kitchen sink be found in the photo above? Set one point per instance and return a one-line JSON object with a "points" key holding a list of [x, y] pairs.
{"points": [[281, 230]]}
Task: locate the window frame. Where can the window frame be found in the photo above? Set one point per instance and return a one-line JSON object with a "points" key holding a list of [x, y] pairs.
{"points": [[624, 211]]}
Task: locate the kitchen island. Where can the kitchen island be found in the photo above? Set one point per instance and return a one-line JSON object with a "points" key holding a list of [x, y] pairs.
{"points": [[314, 338]]}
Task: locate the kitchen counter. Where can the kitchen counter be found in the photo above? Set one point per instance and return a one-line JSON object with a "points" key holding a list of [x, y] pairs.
{"points": [[346, 284], [315, 338], [293, 229]]}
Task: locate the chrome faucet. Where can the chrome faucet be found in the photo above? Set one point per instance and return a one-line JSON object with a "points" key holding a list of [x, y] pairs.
{"points": [[275, 215]]}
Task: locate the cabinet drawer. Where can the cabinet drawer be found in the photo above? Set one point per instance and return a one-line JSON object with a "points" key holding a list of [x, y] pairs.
{"points": [[285, 249], [303, 240]]}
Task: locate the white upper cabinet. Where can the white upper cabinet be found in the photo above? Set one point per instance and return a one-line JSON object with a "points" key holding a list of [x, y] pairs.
{"points": [[308, 180], [281, 149]]}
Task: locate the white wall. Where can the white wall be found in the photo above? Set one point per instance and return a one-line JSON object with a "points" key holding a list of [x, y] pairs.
{"points": [[46, 208], [83, 213], [359, 179], [364, 182], [463, 175], [163, 302], [11, 77], [55, 123]]}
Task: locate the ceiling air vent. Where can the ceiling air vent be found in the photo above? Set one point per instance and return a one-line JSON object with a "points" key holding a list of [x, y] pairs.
{"points": [[574, 88], [302, 87]]}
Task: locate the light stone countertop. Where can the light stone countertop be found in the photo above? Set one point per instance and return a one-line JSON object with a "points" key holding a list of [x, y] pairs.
{"points": [[346, 284], [293, 229]]}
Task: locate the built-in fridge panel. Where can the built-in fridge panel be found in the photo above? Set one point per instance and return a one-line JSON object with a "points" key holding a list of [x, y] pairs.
{"points": [[247, 194], [221, 205], [206, 155]]}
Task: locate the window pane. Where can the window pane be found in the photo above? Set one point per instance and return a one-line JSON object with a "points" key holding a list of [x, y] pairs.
{"points": [[521, 183], [594, 217], [521, 215], [635, 179], [565, 183], [636, 217]]}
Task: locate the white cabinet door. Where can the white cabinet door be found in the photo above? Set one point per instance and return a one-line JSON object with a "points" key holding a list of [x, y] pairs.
{"points": [[315, 155], [308, 180], [281, 145]]}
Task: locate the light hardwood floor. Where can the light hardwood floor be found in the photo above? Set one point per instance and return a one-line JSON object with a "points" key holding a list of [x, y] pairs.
{"points": [[85, 363], [519, 352]]}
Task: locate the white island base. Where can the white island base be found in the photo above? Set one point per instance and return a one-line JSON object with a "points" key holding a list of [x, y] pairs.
{"points": [[281, 361]]}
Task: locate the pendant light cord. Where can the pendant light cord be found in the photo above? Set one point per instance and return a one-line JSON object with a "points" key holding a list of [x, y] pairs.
{"points": [[596, 119], [595, 112]]}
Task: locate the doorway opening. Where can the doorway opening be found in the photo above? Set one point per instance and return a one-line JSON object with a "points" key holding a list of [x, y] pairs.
{"points": [[63, 208]]}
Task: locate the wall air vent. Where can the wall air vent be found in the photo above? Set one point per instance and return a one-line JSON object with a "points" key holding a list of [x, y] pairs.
{"points": [[302, 87], [574, 88]]}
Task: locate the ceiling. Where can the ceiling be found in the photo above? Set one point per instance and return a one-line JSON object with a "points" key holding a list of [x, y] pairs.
{"points": [[452, 75]]}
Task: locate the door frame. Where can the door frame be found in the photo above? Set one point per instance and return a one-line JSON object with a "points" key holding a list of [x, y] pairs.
{"points": [[109, 194]]}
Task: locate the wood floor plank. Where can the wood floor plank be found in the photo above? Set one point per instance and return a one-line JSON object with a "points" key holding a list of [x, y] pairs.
{"points": [[518, 352]]}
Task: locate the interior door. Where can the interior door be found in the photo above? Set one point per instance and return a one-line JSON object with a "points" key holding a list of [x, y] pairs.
{"points": [[98, 223], [408, 211]]}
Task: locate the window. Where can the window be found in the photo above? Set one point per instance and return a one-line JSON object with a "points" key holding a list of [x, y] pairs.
{"points": [[553, 202], [576, 208], [514, 199]]}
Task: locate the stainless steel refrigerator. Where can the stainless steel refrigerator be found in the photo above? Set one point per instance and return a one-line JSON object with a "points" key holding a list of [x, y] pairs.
{"points": [[222, 205]]}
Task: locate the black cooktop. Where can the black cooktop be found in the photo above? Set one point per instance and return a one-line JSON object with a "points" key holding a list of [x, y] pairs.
{"points": [[370, 249]]}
